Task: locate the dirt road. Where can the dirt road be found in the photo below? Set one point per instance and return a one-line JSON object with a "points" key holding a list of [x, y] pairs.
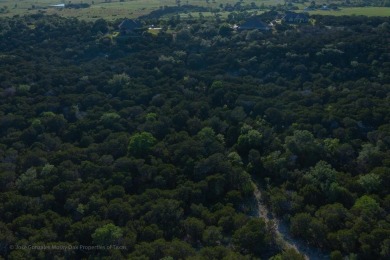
{"points": [[282, 232]]}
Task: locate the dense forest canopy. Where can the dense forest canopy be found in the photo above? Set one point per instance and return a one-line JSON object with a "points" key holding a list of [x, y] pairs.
{"points": [[151, 143]]}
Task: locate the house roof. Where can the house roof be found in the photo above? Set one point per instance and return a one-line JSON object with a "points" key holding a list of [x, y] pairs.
{"points": [[57, 5], [129, 25], [254, 23]]}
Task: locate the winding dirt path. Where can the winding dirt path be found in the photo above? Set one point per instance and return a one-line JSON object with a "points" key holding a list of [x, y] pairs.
{"points": [[282, 232]]}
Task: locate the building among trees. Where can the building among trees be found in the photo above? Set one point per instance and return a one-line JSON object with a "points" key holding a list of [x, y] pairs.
{"points": [[129, 25], [254, 23]]}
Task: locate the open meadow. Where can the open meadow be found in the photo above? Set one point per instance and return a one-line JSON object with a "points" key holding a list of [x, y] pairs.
{"points": [[116, 9], [105, 9], [367, 11]]}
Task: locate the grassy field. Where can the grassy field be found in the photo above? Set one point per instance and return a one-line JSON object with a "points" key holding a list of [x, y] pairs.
{"points": [[98, 8], [135, 8], [367, 11], [222, 15], [113, 10]]}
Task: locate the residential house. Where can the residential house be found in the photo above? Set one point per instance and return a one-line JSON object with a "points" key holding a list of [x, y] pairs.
{"points": [[128, 26], [58, 6], [254, 23]]}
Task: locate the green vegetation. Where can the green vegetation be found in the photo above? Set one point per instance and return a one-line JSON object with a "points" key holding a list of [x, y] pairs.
{"points": [[141, 143], [116, 9], [366, 11], [146, 146]]}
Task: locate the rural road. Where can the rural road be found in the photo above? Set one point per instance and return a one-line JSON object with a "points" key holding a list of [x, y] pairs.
{"points": [[282, 232]]}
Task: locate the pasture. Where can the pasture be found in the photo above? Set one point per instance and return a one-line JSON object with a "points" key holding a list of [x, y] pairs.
{"points": [[367, 11], [135, 8], [110, 10]]}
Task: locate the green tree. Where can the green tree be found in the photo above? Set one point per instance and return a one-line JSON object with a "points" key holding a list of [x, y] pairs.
{"points": [[194, 227], [140, 144], [288, 254], [252, 237], [303, 144], [211, 142], [107, 235], [166, 213], [322, 175], [336, 255], [299, 224], [344, 239], [367, 208], [225, 30], [385, 249], [370, 182], [370, 156], [333, 215], [212, 235], [119, 80], [249, 139], [109, 119]]}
